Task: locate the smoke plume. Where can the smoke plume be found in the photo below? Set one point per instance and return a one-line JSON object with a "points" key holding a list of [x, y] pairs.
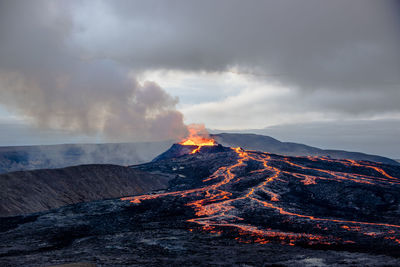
{"points": [[47, 78]]}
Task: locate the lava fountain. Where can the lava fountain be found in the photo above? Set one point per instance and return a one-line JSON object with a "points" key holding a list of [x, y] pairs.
{"points": [[198, 136]]}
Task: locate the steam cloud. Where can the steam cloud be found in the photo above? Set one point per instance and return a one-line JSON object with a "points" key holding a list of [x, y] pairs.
{"points": [[46, 77]]}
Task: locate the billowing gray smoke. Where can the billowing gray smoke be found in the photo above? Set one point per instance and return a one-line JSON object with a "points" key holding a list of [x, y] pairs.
{"points": [[47, 78], [99, 102]]}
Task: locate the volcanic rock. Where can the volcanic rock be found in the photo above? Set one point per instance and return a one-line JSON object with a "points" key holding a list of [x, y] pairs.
{"points": [[227, 208]]}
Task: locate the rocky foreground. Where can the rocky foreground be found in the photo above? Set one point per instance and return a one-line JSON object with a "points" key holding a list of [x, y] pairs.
{"points": [[226, 207]]}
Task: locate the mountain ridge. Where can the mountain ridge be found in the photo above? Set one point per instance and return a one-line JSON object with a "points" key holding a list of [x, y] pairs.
{"points": [[21, 158], [272, 145]]}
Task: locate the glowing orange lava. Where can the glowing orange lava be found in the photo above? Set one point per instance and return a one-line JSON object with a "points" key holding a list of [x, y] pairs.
{"points": [[214, 204], [199, 137]]}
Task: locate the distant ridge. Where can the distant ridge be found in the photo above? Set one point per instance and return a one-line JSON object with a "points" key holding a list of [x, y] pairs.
{"points": [[20, 158], [272, 145]]}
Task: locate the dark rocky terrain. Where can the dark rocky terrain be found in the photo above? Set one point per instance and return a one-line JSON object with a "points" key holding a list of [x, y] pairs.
{"points": [[226, 207], [31, 191], [59, 156]]}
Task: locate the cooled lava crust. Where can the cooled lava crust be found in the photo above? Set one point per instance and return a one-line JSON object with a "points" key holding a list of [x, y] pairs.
{"points": [[303, 201], [226, 206]]}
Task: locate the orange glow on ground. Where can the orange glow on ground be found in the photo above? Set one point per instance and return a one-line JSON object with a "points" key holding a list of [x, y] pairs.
{"points": [[214, 204]]}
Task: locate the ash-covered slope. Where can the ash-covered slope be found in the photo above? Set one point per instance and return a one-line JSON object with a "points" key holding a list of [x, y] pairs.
{"points": [[272, 145], [229, 207], [31, 191]]}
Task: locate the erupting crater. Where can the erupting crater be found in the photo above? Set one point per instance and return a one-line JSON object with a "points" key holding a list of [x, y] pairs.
{"points": [[199, 142], [195, 139]]}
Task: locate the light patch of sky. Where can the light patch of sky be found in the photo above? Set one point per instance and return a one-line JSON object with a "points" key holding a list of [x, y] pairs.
{"points": [[232, 100], [6, 116], [257, 104], [194, 88]]}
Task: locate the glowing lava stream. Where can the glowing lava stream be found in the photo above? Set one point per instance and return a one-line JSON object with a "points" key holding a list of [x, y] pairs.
{"points": [[215, 207]]}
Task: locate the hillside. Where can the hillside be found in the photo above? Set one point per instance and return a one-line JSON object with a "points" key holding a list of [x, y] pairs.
{"points": [[31, 191]]}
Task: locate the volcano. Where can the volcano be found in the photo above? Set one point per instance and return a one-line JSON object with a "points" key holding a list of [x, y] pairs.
{"points": [[293, 200], [226, 206]]}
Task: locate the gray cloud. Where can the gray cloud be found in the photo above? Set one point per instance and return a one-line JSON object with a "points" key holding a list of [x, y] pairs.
{"points": [[69, 64], [308, 44], [45, 77]]}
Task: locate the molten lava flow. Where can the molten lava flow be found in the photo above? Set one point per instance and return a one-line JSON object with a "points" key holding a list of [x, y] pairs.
{"points": [[199, 137], [216, 204]]}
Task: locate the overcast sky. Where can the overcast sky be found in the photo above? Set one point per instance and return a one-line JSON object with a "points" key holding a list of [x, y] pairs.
{"points": [[138, 70]]}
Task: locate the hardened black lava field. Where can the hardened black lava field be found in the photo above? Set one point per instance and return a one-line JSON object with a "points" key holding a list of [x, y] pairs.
{"points": [[226, 206]]}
